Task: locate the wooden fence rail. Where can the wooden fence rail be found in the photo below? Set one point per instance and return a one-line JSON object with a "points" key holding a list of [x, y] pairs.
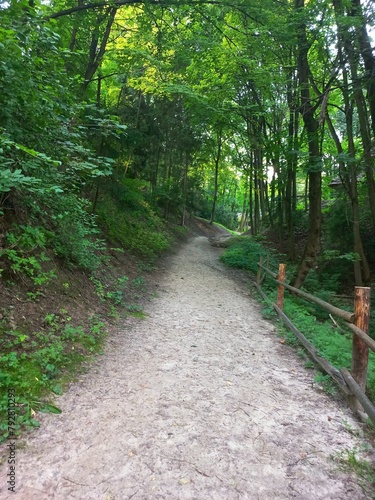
{"points": [[354, 383]]}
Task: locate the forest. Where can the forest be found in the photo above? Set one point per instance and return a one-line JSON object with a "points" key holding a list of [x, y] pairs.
{"points": [[121, 118]]}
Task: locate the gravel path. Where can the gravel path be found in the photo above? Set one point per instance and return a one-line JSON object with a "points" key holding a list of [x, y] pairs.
{"points": [[197, 401]]}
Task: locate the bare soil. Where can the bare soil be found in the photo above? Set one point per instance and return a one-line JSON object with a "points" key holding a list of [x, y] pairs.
{"points": [[199, 400]]}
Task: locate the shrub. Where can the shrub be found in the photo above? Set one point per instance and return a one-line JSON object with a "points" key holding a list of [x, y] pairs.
{"points": [[72, 229], [244, 253]]}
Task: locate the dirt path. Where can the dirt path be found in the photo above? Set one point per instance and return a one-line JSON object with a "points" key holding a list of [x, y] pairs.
{"points": [[197, 401]]}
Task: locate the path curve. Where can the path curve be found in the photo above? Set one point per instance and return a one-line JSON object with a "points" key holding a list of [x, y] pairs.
{"points": [[197, 401]]}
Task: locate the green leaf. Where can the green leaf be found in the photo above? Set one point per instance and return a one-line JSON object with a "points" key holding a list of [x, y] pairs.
{"points": [[48, 408]]}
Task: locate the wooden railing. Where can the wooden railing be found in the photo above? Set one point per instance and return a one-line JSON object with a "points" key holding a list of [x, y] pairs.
{"points": [[351, 383]]}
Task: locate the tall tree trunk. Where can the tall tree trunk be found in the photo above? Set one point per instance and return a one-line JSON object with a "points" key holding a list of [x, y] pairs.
{"points": [[99, 90], [155, 173], [168, 185], [290, 190], [349, 180], [352, 56], [348, 174], [273, 205], [73, 38], [244, 207], [367, 53], [256, 195], [314, 174], [233, 204]]}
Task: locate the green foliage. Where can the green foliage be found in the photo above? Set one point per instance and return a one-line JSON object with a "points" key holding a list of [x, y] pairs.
{"points": [[135, 310], [309, 364], [224, 216], [244, 253], [72, 230], [15, 180], [68, 229], [130, 221], [25, 254], [114, 293], [48, 150], [268, 311], [34, 365], [336, 260], [76, 241]]}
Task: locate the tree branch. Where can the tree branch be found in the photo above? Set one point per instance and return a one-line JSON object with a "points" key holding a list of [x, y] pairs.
{"points": [[160, 3]]}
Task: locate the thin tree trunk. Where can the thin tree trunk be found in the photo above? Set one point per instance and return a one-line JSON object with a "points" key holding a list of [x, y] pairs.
{"points": [[73, 38], [217, 163], [97, 52], [244, 207], [99, 90], [251, 198], [256, 208], [185, 184]]}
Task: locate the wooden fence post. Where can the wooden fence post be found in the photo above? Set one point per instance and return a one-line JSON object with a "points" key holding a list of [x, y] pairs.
{"points": [[280, 289], [360, 349]]}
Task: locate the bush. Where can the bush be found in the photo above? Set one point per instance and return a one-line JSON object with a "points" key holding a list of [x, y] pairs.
{"points": [[73, 232], [244, 253]]}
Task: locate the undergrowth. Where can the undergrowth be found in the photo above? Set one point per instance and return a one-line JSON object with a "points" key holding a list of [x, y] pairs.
{"points": [[244, 252], [332, 343], [136, 228], [36, 365]]}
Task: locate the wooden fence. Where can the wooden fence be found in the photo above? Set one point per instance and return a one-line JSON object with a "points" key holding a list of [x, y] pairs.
{"points": [[351, 383]]}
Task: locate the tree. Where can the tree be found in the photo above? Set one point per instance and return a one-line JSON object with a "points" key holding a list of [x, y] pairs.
{"points": [[307, 109]]}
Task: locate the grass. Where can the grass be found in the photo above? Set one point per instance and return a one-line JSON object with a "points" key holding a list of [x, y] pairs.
{"points": [[223, 227], [350, 461], [331, 343]]}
